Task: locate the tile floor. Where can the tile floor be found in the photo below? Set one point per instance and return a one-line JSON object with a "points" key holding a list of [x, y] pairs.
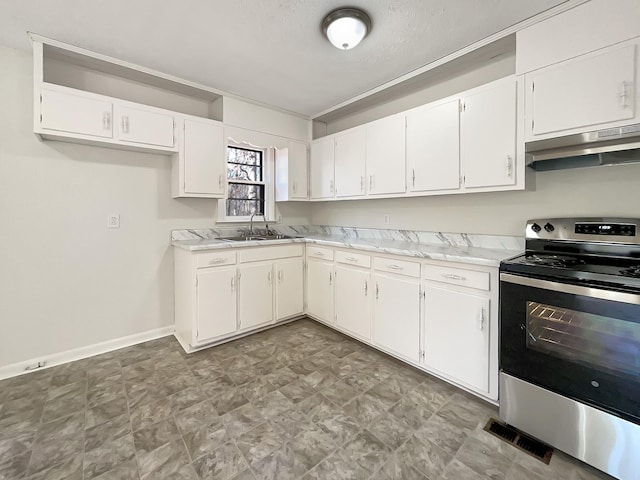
{"points": [[297, 401]]}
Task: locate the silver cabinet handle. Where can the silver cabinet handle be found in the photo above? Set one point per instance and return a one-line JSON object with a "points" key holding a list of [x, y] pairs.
{"points": [[279, 276], [331, 186], [216, 260], [362, 184], [320, 254], [351, 259], [377, 290], [269, 277], [366, 288], [370, 182], [454, 277], [624, 94], [233, 283], [394, 267], [509, 166], [220, 181], [125, 124], [330, 278], [413, 177], [106, 121], [481, 319], [295, 187]]}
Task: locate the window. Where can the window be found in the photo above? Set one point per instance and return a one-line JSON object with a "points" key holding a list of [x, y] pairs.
{"points": [[246, 179]]}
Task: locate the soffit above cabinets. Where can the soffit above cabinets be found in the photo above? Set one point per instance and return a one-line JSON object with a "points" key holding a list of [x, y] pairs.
{"points": [[269, 51]]}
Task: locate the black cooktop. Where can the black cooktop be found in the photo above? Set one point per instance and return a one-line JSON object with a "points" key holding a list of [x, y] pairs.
{"points": [[610, 272]]}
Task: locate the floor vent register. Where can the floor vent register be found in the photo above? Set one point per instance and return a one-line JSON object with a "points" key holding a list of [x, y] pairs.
{"points": [[519, 440]]}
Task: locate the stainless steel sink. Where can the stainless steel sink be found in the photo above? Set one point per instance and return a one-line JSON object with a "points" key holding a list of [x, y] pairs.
{"points": [[242, 238], [251, 238]]}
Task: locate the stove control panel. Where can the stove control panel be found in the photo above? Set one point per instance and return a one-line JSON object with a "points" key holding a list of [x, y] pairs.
{"points": [[618, 229], [610, 230]]}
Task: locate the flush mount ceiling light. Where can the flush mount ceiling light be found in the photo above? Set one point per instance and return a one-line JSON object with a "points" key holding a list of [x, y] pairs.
{"points": [[346, 27]]}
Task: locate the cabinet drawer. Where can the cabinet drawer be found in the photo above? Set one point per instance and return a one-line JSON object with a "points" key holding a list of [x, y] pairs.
{"points": [[319, 252], [351, 258], [457, 276], [401, 267], [269, 253], [213, 259]]}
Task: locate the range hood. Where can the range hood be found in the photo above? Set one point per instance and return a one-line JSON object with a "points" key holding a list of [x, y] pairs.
{"points": [[613, 146]]}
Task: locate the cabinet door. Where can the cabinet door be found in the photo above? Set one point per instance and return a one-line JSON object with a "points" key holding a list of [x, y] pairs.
{"points": [[585, 92], [320, 290], [353, 305], [215, 303], [256, 295], [289, 288], [433, 147], [298, 170], [66, 112], [396, 315], [203, 155], [350, 163], [386, 156], [322, 168], [456, 336], [145, 126], [488, 136]]}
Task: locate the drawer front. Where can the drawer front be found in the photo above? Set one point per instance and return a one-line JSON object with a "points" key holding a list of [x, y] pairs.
{"points": [[319, 252], [400, 267], [214, 259], [258, 254], [457, 276], [351, 258]]}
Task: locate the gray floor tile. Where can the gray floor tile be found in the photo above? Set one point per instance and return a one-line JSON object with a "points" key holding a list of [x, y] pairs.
{"points": [[222, 463], [155, 436], [164, 461], [206, 439], [367, 450], [481, 458], [428, 458], [108, 456]]}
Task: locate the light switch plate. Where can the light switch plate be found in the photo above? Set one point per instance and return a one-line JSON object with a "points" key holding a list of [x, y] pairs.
{"points": [[113, 220]]}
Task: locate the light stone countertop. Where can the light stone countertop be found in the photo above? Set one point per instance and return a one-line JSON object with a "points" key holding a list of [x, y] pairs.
{"points": [[490, 257]]}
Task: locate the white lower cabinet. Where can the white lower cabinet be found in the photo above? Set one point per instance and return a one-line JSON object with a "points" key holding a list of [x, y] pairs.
{"points": [[256, 295], [289, 288], [216, 302], [456, 336], [396, 315], [320, 299], [353, 300]]}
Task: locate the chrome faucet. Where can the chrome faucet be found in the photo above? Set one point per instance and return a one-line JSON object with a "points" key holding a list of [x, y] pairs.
{"points": [[251, 222]]}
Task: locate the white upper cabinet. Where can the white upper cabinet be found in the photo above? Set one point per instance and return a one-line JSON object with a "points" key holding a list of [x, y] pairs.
{"points": [[322, 168], [292, 172], [385, 154], [201, 165], [433, 147], [139, 125], [350, 163], [582, 94], [76, 113], [488, 136]]}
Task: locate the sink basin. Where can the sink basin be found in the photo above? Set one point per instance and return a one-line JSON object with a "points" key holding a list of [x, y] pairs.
{"points": [[242, 238], [250, 238]]}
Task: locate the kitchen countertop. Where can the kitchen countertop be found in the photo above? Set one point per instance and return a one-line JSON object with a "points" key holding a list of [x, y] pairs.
{"points": [[490, 257]]}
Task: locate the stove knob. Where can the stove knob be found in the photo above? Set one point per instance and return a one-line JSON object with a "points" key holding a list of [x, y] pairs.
{"points": [[535, 227], [549, 228]]}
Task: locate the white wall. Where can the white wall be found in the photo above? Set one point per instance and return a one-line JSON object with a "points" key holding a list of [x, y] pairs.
{"points": [[604, 191], [66, 281]]}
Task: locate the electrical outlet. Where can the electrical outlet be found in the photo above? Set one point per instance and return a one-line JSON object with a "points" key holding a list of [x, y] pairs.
{"points": [[113, 220], [387, 219]]}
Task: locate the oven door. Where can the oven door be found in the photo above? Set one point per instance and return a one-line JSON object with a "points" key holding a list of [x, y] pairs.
{"points": [[577, 341]]}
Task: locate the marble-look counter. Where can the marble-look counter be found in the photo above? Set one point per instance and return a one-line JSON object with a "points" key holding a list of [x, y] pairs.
{"points": [[486, 250]]}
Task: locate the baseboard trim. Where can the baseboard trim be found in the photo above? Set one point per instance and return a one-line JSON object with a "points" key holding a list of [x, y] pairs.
{"points": [[48, 361]]}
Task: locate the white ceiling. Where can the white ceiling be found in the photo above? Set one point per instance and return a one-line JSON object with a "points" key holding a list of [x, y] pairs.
{"points": [[272, 51]]}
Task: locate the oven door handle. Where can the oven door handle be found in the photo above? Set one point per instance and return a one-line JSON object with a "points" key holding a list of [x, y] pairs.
{"points": [[571, 289]]}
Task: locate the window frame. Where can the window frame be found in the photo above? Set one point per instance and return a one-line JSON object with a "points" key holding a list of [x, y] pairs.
{"points": [[268, 169]]}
